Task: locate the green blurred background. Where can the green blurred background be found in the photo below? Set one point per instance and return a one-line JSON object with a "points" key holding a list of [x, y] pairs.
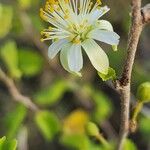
{"points": [[66, 102]]}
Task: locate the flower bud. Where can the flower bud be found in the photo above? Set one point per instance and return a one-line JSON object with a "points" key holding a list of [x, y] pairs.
{"points": [[143, 92], [92, 129]]}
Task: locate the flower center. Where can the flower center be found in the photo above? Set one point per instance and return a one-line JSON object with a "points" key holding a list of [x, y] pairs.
{"points": [[68, 19], [80, 32]]}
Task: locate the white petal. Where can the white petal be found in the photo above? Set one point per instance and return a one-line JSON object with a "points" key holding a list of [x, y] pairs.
{"points": [[55, 47], [96, 14], [64, 59], [97, 56], [104, 25], [75, 59], [108, 37]]}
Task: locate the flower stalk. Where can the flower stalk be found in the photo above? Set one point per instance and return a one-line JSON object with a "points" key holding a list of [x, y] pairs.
{"points": [[135, 113]]}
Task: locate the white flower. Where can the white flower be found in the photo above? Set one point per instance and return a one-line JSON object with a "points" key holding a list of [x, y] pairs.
{"points": [[75, 25]]}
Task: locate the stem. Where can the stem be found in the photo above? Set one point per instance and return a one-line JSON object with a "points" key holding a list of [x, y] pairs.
{"points": [[17, 96], [103, 141], [139, 18], [136, 111]]}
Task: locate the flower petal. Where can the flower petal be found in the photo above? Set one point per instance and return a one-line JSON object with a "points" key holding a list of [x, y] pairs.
{"points": [[64, 59], [97, 56], [55, 47], [108, 37], [104, 25], [75, 59], [96, 14]]}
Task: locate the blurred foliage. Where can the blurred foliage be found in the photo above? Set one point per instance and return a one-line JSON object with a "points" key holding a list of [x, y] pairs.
{"points": [[9, 55], [6, 15], [13, 120], [52, 94], [30, 62], [7, 145], [144, 126], [24, 4], [66, 103], [48, 123], [129, 145], [103, 107]]}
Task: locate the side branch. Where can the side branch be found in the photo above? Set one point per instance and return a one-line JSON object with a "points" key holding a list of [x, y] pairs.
{"points": [[17, 96], [139, 18]]}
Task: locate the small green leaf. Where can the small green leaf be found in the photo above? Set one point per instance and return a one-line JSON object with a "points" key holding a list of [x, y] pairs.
{"points": [[6, 15], [30, 62], [92, 129], [48, 124], [10, 145], [111, 75], [2, 141], [7, 145], [51, 94], [9, 55], [143, 92], [129, 145], [13, 120]]}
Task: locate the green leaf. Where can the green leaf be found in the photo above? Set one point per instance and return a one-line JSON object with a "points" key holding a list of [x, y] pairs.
{"points": [[10, 145], [6, 15], [103, 106], [51, 94], [30, 62], [92, 129], [96, 147], [9, 55], [111, 75], [144, 126], [2, 141], [78, 141], [48, 124], [129, 145], [13, 120], [7, 145]]}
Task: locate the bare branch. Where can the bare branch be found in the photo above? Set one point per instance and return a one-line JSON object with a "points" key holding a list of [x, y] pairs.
{"points": [[139, 18], [17, 96]]}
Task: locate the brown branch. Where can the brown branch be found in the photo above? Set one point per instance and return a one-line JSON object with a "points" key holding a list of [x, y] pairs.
{"points": [[17, 96], [139, 18]]}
